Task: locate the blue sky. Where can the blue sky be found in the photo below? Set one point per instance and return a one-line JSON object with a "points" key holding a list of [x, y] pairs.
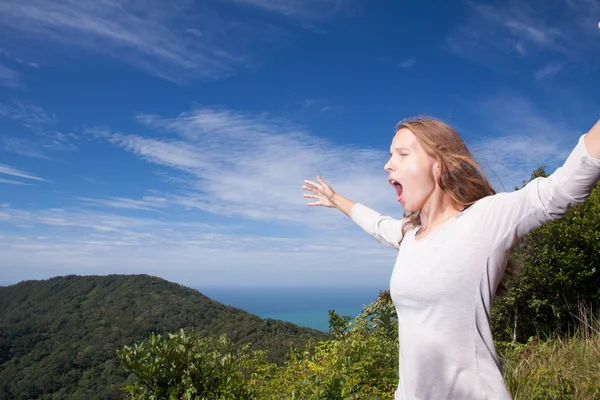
{"points": [[172, 138]]}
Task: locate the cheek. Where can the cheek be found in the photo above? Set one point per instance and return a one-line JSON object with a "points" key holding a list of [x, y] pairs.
{"points": [[418, 185], [418, 178]]}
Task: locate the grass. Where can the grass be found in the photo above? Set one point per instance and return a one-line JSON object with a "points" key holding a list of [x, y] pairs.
{"points": [[560, 368]]}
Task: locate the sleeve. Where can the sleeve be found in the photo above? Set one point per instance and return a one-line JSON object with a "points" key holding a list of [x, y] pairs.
{"points": [[386, 230], [510, 216]]}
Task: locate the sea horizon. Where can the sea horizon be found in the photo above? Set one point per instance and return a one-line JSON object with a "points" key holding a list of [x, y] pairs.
{"points": [[306, 306]]}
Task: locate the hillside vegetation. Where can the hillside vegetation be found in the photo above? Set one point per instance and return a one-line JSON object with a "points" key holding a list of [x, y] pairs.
{"points": [[59, 337]]}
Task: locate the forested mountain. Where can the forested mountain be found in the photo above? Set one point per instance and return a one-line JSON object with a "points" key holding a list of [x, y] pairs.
{"points": [[59, 336]]}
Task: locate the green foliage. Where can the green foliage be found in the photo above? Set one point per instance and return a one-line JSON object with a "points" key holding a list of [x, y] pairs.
{"points": [[58, 337], [558, 269], [338, 325], [361, 363], [190, 367], [562, 369]]}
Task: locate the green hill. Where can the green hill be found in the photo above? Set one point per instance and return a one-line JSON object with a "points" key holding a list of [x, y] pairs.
{"points": [[58, 337]]}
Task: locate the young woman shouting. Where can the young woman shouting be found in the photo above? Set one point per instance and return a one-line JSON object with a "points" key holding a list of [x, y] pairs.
{"points": [[453, 246]]}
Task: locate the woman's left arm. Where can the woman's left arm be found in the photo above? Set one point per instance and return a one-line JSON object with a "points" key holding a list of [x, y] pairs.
{"points": [[510, 216], [592, 141]]}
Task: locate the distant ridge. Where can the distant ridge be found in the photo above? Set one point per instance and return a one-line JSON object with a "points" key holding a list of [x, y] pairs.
{"points": [[58, 337]]}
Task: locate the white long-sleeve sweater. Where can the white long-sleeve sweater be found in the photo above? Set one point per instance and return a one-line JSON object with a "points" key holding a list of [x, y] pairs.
{"points": [[443, 285]]}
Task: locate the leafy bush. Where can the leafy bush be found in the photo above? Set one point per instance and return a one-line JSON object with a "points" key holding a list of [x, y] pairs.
{"points": [[189, 367]]}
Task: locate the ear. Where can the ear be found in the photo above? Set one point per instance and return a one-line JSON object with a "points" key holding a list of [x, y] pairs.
{"points": [[437, 169]]}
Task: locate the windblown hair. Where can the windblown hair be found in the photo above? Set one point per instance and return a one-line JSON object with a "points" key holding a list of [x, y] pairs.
{"points": [[460, 175]]}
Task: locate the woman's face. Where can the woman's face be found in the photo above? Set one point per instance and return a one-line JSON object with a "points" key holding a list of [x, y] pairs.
{"points": [[411, 171]]}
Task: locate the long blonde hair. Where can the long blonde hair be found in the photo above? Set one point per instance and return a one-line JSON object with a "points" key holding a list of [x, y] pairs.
{"points": [[460, 175]]}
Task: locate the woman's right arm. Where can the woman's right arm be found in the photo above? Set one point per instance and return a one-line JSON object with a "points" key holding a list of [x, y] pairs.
{"points": [[385, 229]]}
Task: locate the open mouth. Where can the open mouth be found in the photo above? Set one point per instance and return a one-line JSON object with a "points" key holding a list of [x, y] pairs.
{"points": [[398, 188]]}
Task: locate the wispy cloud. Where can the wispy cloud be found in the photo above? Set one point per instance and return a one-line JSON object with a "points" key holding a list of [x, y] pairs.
{"points": [[253, 166], [39, 141], [8, 170], [318, 106], [22, 146], [178, 42], [48, 242], [29, 115], [40, 144], [9, 77], [149, 203], [548, 71], [496, 34], [60, 141], [150, 35], [305, 10], [408, 63], [519, 139], [11, 182]]}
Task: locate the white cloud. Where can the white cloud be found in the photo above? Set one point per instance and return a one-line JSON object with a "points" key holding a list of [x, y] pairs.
{"points": [[408, 63], [40, 144], [318, 106], [39, 141], [518, 140], [305, 10], [56, 241], [253, 166], [548, 71], [59, 141], [178, 41], [29, 115], [496, 34], [153, 36], [21, 146], [149, 203], [7, 170], [11, 182], [9, 77]]}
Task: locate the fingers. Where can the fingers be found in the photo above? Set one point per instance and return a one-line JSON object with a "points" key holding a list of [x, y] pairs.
{"points": [[309, 189], [311, 183], [316, 188], [325, 185], [316, 185]]}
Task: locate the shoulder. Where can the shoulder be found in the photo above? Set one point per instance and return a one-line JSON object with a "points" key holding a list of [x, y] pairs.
{"points": [[501, 200]]}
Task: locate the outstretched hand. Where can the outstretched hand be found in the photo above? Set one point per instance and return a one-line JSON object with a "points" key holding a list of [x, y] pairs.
{"points": [[323, 193]]}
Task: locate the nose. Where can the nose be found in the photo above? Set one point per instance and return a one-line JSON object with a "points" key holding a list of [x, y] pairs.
{"points": [[388, 166]]}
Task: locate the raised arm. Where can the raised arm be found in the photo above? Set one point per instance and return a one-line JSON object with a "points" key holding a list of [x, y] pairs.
{"points": [[386, 230], [592, 141], [510, 216]]}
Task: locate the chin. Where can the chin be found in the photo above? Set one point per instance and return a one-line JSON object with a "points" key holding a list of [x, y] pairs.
{"points": [[407, 208], [410, 207]]}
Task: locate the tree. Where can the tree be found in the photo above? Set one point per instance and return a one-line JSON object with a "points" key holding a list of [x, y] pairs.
{"points": [[360, 363], [557, 267], [190, 367]]}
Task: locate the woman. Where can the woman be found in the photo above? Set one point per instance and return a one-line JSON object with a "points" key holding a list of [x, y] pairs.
{"points": [[453, 245]]}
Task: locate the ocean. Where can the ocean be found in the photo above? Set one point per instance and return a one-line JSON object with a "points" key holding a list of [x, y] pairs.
{"points": [[304, 306]]}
